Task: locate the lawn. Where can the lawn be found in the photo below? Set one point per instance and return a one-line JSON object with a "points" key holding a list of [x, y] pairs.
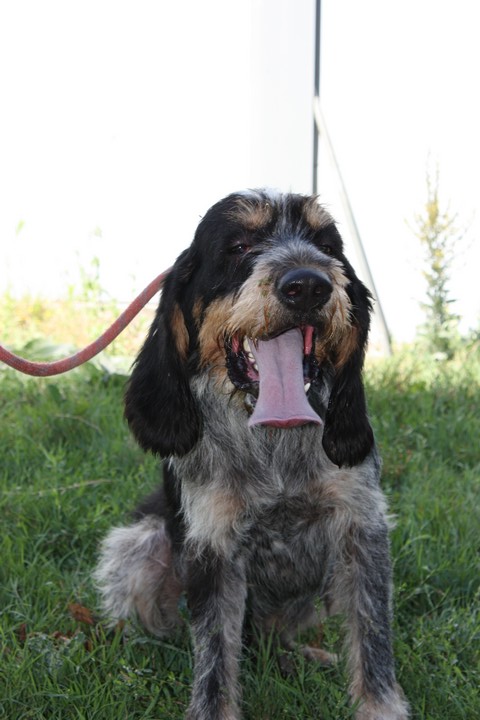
{"points": [[70, 470]]}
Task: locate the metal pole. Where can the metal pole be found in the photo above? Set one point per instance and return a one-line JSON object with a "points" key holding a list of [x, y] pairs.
{"points": [[318, 15], [322, 131]]}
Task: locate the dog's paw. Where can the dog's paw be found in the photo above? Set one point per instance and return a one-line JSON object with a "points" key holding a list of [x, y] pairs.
{"points": [[286, 659], [318, 655], [395, 707], [194, 713]]}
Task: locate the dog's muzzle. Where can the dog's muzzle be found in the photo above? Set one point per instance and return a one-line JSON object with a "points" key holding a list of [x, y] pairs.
{"points": [[276, 372]]}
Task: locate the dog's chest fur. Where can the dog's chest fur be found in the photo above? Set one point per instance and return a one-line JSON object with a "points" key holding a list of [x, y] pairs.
{"points": [[273, 499]]}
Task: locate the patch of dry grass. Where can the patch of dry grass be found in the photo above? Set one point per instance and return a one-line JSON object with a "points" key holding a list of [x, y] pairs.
{"points": [[71, 321]]}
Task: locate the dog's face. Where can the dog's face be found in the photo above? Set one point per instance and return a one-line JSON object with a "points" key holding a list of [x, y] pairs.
{"points": [[266, 303]]}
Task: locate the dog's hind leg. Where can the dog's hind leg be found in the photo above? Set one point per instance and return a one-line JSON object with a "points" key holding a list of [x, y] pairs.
{"points": [[287, 624], [303, 615], [136, 575]]}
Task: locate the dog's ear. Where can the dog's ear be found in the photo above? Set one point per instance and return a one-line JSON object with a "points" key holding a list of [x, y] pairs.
{"points": [[159, 406], [348, 435]]}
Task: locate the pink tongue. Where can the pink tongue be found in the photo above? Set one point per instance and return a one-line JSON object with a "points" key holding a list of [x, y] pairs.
{"points": [[282, 401]]}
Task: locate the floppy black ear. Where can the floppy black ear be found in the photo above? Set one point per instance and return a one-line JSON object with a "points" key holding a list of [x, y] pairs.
{"points": [[159, 406], [348, 435]]}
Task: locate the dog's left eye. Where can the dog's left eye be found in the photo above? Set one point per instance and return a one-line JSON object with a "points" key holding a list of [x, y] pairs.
{"points": [[325, 249], [239, 249]]}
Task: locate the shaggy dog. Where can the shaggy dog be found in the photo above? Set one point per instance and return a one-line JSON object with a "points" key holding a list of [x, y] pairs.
{"points": [[249, 385]]}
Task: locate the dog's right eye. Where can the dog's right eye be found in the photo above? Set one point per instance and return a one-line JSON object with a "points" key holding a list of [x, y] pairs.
{"points": [[325, 249], [239, 249]]}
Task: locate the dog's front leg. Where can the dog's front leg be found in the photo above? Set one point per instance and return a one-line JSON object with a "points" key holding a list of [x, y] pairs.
{"points": [[216, 592], [363, 588]]}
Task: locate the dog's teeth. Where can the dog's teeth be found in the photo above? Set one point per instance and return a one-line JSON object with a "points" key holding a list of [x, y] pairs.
{"points": [[307, 387], [248, 351], [254, 365]]}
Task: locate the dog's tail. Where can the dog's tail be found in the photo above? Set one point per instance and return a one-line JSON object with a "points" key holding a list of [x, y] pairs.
{"points": [[136, 577]]}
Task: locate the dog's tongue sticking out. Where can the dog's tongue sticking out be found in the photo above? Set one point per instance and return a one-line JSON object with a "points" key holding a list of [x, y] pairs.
{"points": [[282, 401]]}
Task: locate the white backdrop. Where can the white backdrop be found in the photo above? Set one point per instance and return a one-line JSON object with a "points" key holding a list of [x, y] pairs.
{"points": [[121, 122]]}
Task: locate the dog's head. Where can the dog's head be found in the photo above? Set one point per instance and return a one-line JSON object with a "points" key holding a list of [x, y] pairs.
{"points": [[265, 301]]}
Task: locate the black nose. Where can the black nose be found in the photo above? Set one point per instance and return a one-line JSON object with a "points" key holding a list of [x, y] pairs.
{"points": [[304, 288]]}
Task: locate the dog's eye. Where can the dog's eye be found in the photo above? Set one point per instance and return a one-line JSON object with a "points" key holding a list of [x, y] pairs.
{"points": [[239, 248], [325, 249]]}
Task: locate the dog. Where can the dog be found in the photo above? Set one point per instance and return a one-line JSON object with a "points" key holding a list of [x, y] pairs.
{"points": [[249, 385]]}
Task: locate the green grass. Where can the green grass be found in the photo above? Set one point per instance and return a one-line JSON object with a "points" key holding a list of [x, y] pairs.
{"points": [[70, 470]]}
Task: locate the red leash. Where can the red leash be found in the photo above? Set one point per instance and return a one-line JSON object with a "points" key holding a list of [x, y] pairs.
{"points": [[60, 366]]}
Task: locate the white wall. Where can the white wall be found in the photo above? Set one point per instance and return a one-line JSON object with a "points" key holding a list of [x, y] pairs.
{"points": [[399, 85], [121, 122]]}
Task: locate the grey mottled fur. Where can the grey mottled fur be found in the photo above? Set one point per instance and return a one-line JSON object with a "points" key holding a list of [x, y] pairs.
{"points": [[295, 526]]}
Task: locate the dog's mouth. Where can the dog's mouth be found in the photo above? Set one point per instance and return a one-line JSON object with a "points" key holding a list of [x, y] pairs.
{"points": [[276, 374]]}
